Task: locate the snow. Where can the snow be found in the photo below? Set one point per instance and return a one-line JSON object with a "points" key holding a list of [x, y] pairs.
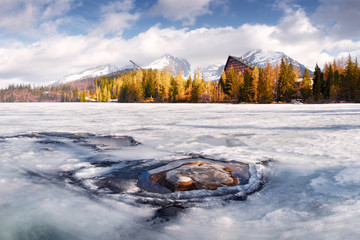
{"points": [[260, 57], [48, 187], [213, 72], [5, 83], [172, 63], [89, 73], [160, 63]]}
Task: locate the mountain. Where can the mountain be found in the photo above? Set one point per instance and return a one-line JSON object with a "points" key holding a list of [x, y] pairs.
{"points": [[257, 57], [212, 72], [173, 64], [260, 57], [13, 82], [89, 73], [167, 61]]}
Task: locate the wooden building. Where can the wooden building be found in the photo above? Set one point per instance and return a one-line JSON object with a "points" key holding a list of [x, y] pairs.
{"points": [[239, 64]]}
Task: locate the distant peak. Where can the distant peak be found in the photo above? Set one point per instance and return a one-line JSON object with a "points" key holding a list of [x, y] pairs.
{"points": [[167, 55], [260, 58], [168, 61], [258, 50], [89, 73]]}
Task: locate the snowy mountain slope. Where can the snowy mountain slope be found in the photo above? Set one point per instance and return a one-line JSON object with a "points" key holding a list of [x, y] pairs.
{"points": [[15, 82], [89, 73], [173, 64], [212, 72], [167, 61], [260, 57], [257, 57]]}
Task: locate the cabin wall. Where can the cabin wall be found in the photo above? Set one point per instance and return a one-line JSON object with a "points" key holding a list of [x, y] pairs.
{"points": [[238, 66]]}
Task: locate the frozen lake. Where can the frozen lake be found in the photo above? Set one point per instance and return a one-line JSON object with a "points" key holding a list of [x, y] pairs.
{"points": [[70, 171]]}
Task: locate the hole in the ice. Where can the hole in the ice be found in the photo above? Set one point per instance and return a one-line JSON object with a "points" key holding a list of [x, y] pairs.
{"points": [[188, 175]]}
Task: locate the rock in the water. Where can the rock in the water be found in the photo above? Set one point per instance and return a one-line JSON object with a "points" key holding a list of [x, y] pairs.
{"points": [[195, 176]]}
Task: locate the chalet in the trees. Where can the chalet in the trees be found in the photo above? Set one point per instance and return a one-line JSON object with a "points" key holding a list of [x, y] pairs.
{"points": [[239, 64]]}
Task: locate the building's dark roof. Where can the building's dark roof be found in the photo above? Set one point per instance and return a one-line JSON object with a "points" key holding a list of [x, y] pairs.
{"points": [[242, 60]]}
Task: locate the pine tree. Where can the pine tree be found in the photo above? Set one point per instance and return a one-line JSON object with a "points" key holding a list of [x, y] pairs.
{"points": [[229, 81], [328, 80], [104, 94], [180, 81], [83, 96], [246, 94], [233, 82], [281, 87], [286, 82], [337, 83], [305, 86], [75, 95], [348, 81], [292, 76], [221, 84], [188, 87], [266, 84], [330, 88], [195, 91], [317, 83], [173, 91], [356, 82], [222, 81], [149, 84], [254, 84]]}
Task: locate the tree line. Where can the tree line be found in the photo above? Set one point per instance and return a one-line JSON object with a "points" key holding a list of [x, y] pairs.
{"points": [[255, 86], [71, 92], [339, 81], [152, 85]]}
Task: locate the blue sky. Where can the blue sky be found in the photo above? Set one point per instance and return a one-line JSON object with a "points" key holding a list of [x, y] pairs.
{"points": [[43, 40]]}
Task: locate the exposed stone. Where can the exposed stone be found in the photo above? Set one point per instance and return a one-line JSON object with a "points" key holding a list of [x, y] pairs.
{"points": [[195, 176]]}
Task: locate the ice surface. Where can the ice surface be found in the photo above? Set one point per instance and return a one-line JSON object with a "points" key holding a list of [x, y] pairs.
{"points": [[57, 159]]}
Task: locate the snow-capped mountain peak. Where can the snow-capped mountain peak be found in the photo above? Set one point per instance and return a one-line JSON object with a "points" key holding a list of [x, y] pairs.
{"points": [[89, 73], [172, 64], [260, 57], [212, 72]]}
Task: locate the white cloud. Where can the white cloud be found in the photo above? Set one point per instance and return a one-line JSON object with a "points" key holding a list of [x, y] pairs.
{"points": [[52, 57], [20, 15], [4, 83], [115, 18], [56, 8], [184, 10], [115, 23], [118, 6], [339, 18], [15, 18]]}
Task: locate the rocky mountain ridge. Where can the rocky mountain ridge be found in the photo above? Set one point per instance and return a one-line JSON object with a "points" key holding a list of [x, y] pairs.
{"points": [[175, 64]]}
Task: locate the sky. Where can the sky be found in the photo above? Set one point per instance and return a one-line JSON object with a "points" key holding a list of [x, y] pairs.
{"points": [[44, 40]]}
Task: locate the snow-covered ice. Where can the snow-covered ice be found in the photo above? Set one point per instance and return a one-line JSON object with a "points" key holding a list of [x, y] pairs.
{"points": [[70, 171]]}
